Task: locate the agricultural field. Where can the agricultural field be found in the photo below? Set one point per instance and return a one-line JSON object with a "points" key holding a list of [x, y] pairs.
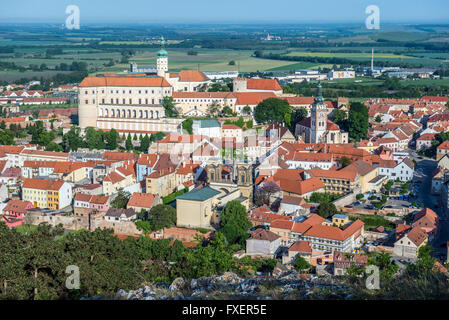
{"points": [[351, 55], [211, 60]]}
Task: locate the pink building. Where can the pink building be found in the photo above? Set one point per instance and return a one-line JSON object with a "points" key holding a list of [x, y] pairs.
{"points": [[94, 202], [13, 212]]}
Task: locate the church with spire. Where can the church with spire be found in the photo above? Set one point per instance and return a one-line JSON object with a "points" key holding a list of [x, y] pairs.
{"points": [[318, 128]]}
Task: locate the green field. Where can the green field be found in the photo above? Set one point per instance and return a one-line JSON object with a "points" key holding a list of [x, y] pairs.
{"points": [[428, 82], [211, 60], [352, 55]]}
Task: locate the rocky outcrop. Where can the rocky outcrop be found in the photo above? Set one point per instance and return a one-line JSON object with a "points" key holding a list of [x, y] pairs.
{"points": [[289, 285]]}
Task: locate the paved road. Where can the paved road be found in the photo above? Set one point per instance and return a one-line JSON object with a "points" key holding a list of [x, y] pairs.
{"points": [[424, 196]]}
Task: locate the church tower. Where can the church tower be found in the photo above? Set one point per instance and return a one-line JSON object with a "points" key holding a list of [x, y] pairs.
{"points": [[162, 60], [318, 121]]}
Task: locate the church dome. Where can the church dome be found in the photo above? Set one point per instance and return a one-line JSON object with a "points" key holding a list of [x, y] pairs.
{"points": [[162, 53]]}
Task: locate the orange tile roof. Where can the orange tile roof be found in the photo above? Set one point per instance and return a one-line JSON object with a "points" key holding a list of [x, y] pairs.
{"points": [[301, 246], [113, 177], [91, 198], [281, 224], [263, 84], [252, 98], [444, 145], [301, 187], [127, 81], [329, 232], [417, 235], [334, 174], [427, 137], [12, 149], [299, 100], [42, 184], [141, 200], [192, 76]]}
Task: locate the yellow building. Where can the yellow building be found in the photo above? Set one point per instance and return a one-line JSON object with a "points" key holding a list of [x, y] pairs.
{"points": [[340, 220], [200, 208], [369, 178], [51, 194]]}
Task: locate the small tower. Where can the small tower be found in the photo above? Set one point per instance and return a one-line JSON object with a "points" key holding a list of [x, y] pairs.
{"points": [[162, 60], [318, 121]]}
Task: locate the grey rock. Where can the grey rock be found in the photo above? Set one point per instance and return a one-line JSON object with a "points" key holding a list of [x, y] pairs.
{"points": [[177, 284]]}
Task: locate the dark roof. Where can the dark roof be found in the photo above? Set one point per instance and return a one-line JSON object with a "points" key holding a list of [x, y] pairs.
{"points": [[113, 212], [266, 235], [199, 194]]}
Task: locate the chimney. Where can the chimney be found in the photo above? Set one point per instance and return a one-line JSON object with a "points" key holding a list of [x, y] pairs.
{"points": [[183, 164]]}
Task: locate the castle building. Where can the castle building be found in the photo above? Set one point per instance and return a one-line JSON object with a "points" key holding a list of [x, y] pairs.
{"points": [[133, 102], [318, 128], [125, 103]]}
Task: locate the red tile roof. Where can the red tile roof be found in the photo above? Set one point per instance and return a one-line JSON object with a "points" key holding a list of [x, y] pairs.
{"points": [[124, 82], [42, 184], [263, 84], [141, 200]]}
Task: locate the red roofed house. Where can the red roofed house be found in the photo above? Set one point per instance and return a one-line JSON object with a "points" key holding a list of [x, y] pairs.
{"points": [[409, 244], [427, 220], [263, 243], [187, 80], [91, 202], [257, 85], [322, 237], [442, 150], [425, 141], [142, 201], [13, 212], [342, 261], [305, 250]]}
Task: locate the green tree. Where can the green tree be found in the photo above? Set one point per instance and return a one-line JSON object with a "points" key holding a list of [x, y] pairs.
{"points": [[53, 146], [157, 136], [72, 140], [187, 125], [145, 143], [272, 110], [162, 216], [227, 111], [169, 106], [327, 210], [111, 139], [358, 121], [129, 143], [340, 117], [344, 161], [246, 110], [94, 139], [301, 264], [234, 223], [121, 200], [297, 116], [214, 109]]}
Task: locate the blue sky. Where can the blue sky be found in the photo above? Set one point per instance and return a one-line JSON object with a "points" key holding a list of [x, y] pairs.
{"points": [[222, 11]]}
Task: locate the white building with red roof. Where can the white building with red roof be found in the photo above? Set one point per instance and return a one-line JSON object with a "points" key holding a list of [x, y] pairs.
{"points": [[257, 85]]}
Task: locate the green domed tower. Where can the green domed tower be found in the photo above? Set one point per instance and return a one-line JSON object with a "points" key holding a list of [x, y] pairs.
{"points": [[162, 59]]}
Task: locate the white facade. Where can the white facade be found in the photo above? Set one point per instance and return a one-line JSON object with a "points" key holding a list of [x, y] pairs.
{"points": [[401, 171]]}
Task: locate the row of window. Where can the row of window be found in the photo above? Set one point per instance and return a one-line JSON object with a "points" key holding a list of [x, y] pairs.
{"points": [[141, 114], [131, 91], [130, 101]]}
